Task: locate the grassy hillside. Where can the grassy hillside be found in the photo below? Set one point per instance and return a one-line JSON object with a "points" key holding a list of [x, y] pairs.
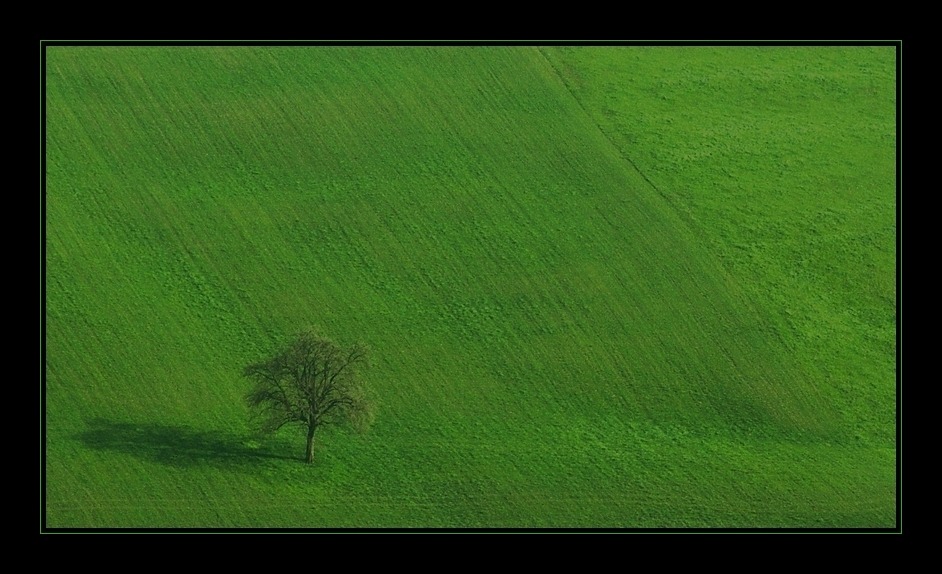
{"points": [[554, 343], [783, 159]]}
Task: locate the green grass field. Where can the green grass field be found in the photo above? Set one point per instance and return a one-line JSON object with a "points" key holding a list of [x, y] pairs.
{"points": [[603, 287]]}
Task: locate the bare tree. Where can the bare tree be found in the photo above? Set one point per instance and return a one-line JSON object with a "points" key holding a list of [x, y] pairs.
{"points": [[311, 382]]}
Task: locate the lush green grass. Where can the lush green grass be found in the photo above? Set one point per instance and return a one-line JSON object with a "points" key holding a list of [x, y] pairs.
{"points": [[555, 341], [784, 160]]}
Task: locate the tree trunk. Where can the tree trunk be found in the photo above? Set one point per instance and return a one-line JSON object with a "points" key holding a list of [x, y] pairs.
{"points": [[309, 456]]}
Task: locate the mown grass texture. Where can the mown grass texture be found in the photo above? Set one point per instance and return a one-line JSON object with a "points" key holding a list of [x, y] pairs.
{"points": [[556, 341]]}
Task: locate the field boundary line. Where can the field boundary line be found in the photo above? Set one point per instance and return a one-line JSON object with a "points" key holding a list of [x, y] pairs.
{"points": [[684, 216], [745, 292]]}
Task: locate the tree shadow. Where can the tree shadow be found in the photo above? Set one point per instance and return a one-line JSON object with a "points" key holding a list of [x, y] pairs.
{"points": [[178, 446]]}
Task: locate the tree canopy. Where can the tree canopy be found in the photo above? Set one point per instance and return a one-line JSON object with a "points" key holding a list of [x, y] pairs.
{"points": [[310, 382]]}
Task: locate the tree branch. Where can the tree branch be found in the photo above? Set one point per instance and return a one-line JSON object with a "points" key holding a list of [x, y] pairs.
{"points": [[311, 381]]}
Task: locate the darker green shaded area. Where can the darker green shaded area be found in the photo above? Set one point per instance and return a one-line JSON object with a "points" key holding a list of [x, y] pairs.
{"points": [[179, 446]]}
